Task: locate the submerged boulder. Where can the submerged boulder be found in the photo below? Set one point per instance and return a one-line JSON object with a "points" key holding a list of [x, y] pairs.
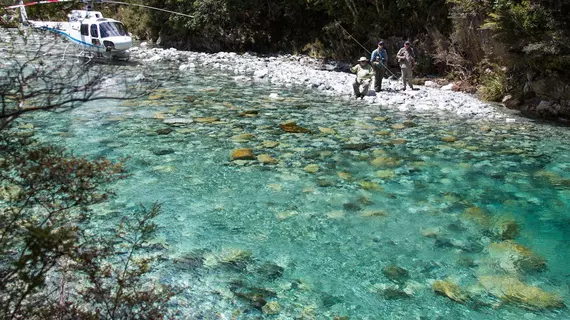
{"points": [[242, 154], [513, 257], [396, 273], [511, 289], [292, 127], [450, 290]]}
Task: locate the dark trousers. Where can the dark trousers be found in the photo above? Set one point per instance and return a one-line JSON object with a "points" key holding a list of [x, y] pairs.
{"points": [[378, 76]]}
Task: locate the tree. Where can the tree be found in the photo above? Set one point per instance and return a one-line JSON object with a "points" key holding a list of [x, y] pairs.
{"points": [[52, 265]]}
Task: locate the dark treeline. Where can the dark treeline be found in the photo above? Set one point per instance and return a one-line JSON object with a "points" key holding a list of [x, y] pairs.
{"points": [[516, 47]]}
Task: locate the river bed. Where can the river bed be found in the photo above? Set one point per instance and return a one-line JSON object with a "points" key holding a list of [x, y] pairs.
{"points": [[370, 211]]}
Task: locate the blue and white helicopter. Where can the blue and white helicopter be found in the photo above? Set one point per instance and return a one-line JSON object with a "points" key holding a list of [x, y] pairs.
{"points": [[89, 31]]}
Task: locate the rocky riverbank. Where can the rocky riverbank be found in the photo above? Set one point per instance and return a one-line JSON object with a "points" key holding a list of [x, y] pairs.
{"points": [[294, 70]]}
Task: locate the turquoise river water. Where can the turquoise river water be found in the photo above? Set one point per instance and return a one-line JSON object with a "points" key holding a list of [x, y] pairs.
{"points": [[375, 214]]}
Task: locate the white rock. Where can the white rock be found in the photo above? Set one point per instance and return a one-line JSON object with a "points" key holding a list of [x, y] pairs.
{"points": [[432, 84], [261, 73], [448, 87], [273, 96]]}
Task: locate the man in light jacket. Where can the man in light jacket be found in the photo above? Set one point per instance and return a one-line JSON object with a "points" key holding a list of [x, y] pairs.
{"points": [[364, 74]]}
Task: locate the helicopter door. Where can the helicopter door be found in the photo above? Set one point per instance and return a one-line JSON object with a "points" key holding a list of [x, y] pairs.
{"points": [[95, 35], [84, 30]]}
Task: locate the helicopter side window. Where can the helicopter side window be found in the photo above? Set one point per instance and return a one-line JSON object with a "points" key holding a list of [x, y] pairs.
{"points": [[84, 30], [94, 31]]}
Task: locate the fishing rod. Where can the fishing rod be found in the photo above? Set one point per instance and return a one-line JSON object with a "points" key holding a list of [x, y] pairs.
{"points": [[348, 33]]}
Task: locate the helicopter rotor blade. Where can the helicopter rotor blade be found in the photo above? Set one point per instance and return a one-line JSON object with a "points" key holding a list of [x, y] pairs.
{"points": [[36, 2], [148, 7]]}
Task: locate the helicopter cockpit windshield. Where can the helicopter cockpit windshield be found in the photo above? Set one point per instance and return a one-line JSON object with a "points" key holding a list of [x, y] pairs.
{"points": [[112, 29]]}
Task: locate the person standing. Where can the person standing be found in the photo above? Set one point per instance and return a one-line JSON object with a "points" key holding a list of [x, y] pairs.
{"points": [[379, 61], [407, 62], [364, 74]]}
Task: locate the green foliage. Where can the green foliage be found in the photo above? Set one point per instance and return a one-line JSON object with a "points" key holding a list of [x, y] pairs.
{"points": [[493, 84], [51, 264]]}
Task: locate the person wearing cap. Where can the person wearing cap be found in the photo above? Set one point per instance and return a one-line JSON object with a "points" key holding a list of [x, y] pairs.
{"points": [[364, 74], [407, 62], [379, 61]]}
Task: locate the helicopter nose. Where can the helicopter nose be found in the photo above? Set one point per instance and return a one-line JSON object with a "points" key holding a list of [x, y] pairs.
{"points": [[119, 43]]}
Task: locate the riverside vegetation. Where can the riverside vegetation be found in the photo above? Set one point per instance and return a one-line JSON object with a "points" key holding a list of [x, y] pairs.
{"points": [[55, 263], [516, 51]]}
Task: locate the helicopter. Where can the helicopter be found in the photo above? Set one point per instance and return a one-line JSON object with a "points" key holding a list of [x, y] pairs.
{"points": [[88, 30]]}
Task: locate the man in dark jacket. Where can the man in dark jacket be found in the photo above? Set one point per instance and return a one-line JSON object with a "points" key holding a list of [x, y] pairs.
{"points": [[379, 61]]}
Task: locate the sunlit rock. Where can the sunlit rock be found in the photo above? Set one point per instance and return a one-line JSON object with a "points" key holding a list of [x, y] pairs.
{"points": [[228, 256], [450, 290], [269, 144], [398, 141], [380, 119], [284, 215], [312, 168], [292, 127], [244, 137], [272, 307], [448, 139], [511, 289], [11, 192], [513, 257], [267, 159], [206, 119], [386, 174], [399, 126], [370, 186], [327, 130], [242, 154], [385, 162], [431, 232], [344, 175]]}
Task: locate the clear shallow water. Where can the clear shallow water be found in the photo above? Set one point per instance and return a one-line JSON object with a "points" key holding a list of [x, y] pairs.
{"points": [[314, 248]]}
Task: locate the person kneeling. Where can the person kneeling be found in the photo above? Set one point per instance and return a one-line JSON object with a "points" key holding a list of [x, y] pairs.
{"points": [[364, 75]]}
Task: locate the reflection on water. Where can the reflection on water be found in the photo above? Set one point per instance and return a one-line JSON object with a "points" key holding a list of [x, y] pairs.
{"points": [[374, 214]]}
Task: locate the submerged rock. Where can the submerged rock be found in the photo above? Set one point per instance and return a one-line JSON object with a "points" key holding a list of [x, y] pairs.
{"points": [[450, 290], [374, 213], [516, 257], [164, 131], [396, 273], [385, 162], [233, 257], [242, 154], [267, 159], [394, 293], [505, 228], [478, 215], [511, 289], [11, 192], [270, 144], [312, 168], [292, 127], [207, 119], [448, 139], [272, 307]]}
